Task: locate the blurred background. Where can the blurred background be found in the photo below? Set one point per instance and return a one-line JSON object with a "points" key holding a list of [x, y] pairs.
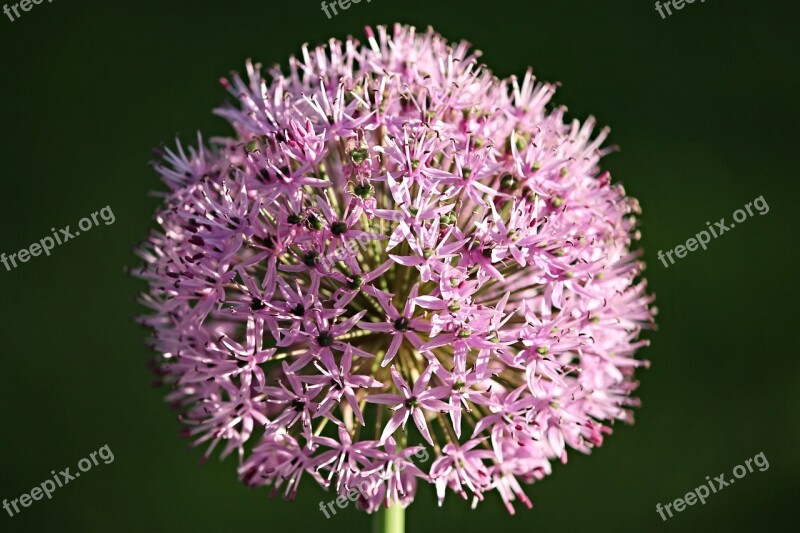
{"points": [[704, 105]]}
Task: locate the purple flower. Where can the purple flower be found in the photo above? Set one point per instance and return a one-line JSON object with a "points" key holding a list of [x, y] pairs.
{"points": [[411, 402], [341, 383], [389, 234], [401, 327], [461, 468]]}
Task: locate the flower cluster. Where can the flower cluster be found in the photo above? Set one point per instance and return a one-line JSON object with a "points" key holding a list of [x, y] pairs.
{"points": [[491, 312]]}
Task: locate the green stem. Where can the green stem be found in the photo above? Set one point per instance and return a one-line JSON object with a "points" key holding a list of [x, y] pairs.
{"points": [[391, 520]]}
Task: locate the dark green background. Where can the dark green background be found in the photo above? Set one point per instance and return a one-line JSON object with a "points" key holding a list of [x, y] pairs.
{"points": [[704, 105]]}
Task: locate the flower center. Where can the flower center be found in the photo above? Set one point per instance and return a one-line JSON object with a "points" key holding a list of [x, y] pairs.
{"points": [[325, 340], [311, 259], [401, 324]]}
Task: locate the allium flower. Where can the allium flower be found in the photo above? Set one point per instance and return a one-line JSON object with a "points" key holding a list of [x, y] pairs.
{"points": [[395, 249]]}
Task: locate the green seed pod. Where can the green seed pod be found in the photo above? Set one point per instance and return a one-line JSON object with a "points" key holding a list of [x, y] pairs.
{"points": [[363, 191], [311, 259], [359, 155], [313, 223], [252, 146]]}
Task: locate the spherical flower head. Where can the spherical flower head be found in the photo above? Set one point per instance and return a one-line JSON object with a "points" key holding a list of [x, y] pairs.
{"points": [[395, 253]]}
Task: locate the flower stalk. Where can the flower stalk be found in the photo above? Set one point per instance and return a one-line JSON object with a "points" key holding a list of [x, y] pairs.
{"points": [[390, 519]]}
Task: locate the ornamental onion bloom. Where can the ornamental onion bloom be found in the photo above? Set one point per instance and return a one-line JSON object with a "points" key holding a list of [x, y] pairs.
{"points": [[395, 250]]}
